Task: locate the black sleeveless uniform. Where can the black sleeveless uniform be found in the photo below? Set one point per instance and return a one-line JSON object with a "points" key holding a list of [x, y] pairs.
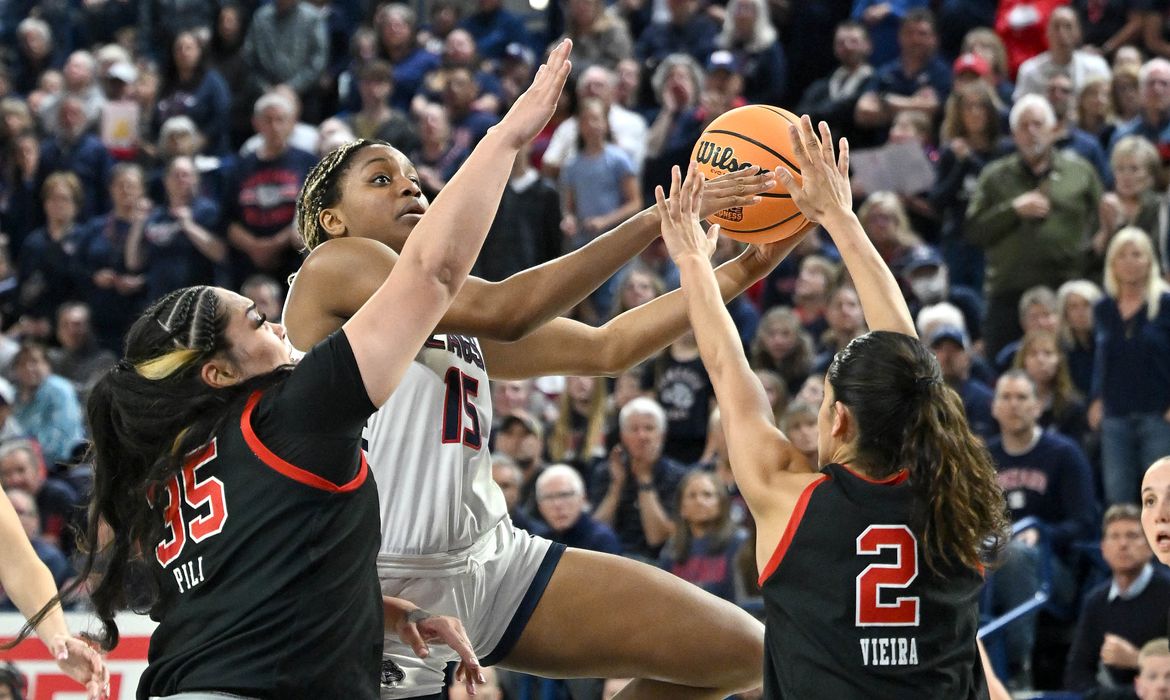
{"points": [[267, 577], [853, 611]]}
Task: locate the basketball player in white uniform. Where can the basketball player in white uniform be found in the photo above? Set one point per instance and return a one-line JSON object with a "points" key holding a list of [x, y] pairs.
{"points": [[447, 543]]}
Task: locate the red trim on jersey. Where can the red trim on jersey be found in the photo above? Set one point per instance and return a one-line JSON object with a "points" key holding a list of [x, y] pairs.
{"points": [[892, 480], [790, 531], [293, 472]]}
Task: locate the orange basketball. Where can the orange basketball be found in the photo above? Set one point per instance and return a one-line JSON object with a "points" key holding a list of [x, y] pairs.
{"points": [[746, 136]]}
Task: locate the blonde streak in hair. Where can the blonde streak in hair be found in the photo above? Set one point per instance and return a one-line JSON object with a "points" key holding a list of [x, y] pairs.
{"points": [[165, 366]]}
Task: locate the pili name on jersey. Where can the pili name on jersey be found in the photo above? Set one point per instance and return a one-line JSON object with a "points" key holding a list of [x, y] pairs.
{"points": [[889, 651], [464, 347]]}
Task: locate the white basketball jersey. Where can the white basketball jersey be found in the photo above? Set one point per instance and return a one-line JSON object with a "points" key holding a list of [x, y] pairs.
{"points": [[428, 452]]}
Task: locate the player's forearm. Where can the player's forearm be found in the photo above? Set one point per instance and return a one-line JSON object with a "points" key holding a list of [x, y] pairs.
{"points": [[646, 330], [549, 290], [881, 298], [30, 587]]}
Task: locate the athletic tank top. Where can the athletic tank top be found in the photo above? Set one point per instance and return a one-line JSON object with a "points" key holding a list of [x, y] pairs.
{"points": [[853, 610], [428, 452]]}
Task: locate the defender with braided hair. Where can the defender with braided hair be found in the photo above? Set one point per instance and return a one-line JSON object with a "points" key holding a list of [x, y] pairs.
{"points": [[870, 567], [233, 484], [446, 536]]}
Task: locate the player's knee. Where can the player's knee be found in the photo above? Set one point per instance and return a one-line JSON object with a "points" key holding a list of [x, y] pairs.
{"points": [[740, 667]]}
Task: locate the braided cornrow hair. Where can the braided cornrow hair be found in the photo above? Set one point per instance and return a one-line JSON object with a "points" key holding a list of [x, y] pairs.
{"points": [[322, 189], [146, 414]]}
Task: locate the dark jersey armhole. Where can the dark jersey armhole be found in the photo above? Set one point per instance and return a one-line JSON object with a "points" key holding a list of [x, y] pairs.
{"points": [[303, 476], [790, 530]]}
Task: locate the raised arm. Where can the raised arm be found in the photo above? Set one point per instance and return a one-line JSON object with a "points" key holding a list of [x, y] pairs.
{"points": [[824, 196], [757, 449], [387, 331], [345, 272], [564, 346]]}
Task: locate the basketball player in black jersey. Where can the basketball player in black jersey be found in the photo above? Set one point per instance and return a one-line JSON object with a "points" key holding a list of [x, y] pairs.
{"points": [[236, 484], [871, 567]]}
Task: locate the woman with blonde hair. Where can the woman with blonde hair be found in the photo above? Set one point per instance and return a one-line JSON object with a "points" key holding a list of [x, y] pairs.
{"points": [[599, 37], [1137, 169], [748, 33], [1093, 109], [1042, 359], [784, 347], [888, 226], [1126, 93], [578, 435], [1131, 375], [1075, 299]]}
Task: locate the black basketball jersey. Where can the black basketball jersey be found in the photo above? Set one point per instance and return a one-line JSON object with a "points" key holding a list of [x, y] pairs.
{"points": [[853, 611], [266, 572]]}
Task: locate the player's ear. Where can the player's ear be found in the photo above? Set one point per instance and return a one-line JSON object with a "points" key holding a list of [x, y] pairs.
{"points": [[331, 222], [219, 373], [842, 421]]}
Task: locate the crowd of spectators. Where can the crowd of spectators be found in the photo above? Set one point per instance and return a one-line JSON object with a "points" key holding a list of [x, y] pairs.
{"points": [[147, 145]]}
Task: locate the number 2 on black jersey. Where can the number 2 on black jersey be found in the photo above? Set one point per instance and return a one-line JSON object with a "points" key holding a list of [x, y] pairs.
{"points": [[461, 389], [186, 486], [871, 612]]}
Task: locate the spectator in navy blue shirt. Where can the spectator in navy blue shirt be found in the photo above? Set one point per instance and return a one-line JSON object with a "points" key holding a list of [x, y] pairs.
{"points": [[633, 490], [1075, 299], [917, 80], [261, 213], [1131, 373], [1046, 476], [560, 496], [71, 148], [494, 27], [687, 31], [177, 243], [951, 346], [705, 543], [397, 27], [50, 270], [191, 87], [1121, 614], [116, 294]]}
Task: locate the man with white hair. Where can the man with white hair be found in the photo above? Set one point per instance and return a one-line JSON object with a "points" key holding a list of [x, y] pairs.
{"points": [[634, 488], [627, 127], [560, 497], [262, 208], [1153, 121], [1032, 213], [81, 82]]}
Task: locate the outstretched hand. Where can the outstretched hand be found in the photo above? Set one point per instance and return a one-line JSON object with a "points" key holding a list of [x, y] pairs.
{"points": [[679, 216], [824, 189], [535, 107], [419, 629], [82, 663], [738, 188]]}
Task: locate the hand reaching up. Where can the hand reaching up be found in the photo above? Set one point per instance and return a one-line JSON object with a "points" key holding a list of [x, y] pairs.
{"points": [[535, 107], [679, 216], [824, 189]]}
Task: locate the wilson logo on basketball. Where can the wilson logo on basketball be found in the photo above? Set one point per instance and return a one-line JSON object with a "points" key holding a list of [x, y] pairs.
{"points": [[720, 157], [732, 214]]}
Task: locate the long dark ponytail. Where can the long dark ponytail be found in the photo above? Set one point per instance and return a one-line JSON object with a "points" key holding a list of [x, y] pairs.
{"points": [[145, 415], [907, 417]]}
